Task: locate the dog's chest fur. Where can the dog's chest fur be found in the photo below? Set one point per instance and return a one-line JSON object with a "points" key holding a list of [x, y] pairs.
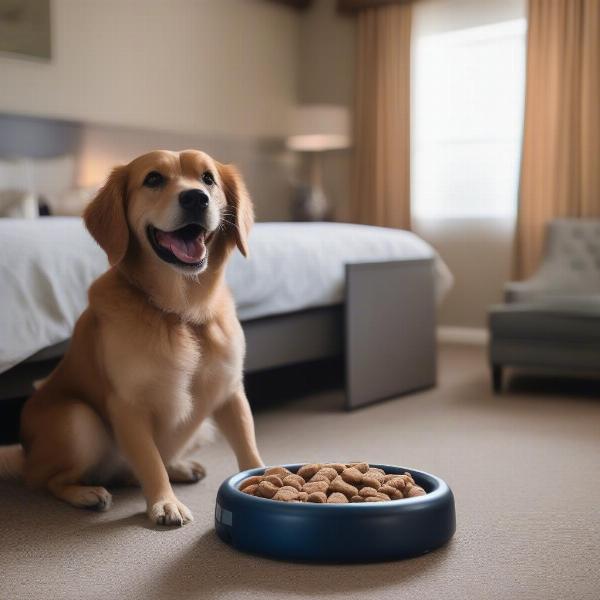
{"points": [[219, 362], [175, 369], [206, 368]]}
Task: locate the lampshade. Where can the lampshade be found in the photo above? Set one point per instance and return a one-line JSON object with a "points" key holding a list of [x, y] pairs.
{"points": [[317, 127]]}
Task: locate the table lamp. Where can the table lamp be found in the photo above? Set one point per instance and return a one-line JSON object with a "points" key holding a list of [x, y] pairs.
{"points": [[316, 128]]}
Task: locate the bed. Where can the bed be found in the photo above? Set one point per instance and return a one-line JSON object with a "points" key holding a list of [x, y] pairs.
{"points": [[309, 291]]}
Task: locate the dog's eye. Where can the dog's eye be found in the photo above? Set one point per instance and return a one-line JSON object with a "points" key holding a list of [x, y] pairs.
{"points": [[208, 178], [154, 179]]}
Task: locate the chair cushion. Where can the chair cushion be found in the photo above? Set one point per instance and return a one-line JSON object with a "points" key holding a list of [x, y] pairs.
{"points": [[556, 321]]}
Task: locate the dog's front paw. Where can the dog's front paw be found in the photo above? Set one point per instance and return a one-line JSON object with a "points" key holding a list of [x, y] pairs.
{"points": [[170, 512], [186, 471]]}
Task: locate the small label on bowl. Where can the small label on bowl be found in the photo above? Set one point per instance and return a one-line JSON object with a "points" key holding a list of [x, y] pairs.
{"points": [[223, 516]]}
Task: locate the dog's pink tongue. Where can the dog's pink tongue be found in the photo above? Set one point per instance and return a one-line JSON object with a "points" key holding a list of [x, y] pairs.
{"points": [[188, 251]]}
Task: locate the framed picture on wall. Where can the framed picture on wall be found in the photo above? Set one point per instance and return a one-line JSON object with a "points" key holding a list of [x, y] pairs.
{"points": [[25, 28]]}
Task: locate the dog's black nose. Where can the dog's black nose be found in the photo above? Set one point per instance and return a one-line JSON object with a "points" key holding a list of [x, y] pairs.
{"points": [[191, 200]]}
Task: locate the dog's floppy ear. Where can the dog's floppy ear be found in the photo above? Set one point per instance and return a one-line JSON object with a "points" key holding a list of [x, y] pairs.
{"points": [[239, 205], [105, 216]]}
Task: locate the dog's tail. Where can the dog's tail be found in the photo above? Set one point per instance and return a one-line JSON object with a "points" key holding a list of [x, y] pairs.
{"points": [[11, 461]]}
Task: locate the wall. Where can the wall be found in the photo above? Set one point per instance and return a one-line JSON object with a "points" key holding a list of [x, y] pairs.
{"points": [[136, 75], [326, 55], [326, 76], [431, 16], [479, 254], [193, 66]]}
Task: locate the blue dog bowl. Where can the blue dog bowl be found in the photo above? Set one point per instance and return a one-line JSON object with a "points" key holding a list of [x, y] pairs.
{"points": [[361, 532]]}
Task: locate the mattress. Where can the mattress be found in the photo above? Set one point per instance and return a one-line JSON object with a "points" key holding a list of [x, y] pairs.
{"points": [[47, 265]]}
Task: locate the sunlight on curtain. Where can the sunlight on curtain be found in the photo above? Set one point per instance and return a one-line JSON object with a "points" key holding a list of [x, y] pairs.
{"points": [[467, 114]]}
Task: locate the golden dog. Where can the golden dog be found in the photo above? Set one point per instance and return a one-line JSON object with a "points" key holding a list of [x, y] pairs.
{"points": [[158, 350]]}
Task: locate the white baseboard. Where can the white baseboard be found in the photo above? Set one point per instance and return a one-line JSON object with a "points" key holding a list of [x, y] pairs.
{"points": [[474, 336]]}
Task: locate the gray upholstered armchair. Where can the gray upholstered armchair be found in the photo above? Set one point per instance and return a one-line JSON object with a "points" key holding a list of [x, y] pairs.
{"points": [[552, 320], [570, 268]]}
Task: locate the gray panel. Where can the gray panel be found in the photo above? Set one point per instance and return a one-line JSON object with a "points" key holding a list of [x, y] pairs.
{"points": [[293, 338], [390, 328], [30, 137]]}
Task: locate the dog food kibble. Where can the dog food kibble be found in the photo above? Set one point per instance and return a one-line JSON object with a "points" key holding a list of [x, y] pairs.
{"points": [[267, 489], [352, 476], [307, 471], [339, 485], [332, 483], [328, 472], [337, 498], [279, 471], [316, 486], [295, 481], [251, 481], [250, 489], [318, 497]]}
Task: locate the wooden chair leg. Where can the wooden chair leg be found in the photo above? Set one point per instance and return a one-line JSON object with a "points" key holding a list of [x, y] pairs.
{"points": [[497, 378]]}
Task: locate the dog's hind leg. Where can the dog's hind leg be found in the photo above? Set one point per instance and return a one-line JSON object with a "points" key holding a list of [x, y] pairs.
{"points": [[185, 470], [70, 453], [80, 496], [182, 467]]}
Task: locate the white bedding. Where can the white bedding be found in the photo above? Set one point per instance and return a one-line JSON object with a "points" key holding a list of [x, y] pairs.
{"points": [[47, 265]]}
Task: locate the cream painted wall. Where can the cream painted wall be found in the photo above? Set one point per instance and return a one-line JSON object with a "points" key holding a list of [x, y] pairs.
{"points": [[326, 56], [479, 254], [430, 16], [326, 76], [191, 66]]}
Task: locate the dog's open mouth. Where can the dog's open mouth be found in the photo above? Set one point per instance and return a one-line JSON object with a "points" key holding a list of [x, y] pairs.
{"points": [[185, 246]]}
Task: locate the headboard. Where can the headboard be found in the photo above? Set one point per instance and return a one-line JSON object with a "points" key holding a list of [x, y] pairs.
{"points": [[96, 148], [33, 137]]}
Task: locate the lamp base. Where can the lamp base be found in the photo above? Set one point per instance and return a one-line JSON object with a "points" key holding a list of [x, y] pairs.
{"points": [[310, 204]]}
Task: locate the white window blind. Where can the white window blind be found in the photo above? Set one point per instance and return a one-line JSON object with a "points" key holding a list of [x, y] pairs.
{"points": [[467, 119]]}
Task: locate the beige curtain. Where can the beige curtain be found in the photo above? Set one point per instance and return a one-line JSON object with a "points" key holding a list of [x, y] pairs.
{"points": [[560, 171], [381, 171]]}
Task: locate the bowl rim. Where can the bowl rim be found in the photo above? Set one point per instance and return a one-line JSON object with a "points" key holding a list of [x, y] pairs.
{"points": [[439, 489]]}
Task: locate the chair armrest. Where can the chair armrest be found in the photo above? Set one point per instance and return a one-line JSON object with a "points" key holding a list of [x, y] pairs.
{"points": [[538, 290], [523, 291]]}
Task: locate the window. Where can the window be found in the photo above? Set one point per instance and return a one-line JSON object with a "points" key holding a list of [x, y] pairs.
{"points": [[467, 115]]}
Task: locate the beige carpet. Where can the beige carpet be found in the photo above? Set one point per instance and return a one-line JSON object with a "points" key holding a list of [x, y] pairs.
{"points": [[524, 466]]}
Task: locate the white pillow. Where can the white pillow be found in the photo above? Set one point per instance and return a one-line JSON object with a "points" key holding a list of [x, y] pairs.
{"points": [[15, 175], [72, 202], [17, 204], [48, 178], [51, 178]]}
